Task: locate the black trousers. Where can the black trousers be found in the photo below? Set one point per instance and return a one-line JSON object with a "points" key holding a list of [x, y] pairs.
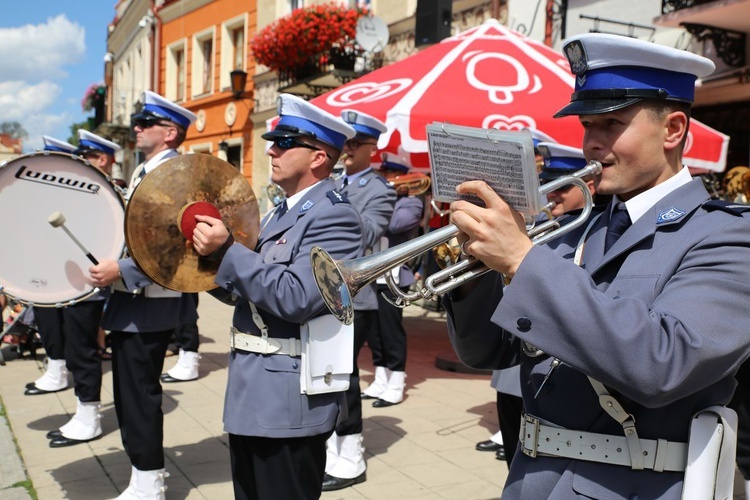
{"points": [[186, 335], [137, 362], [69, 333], [509, 410], [364, 323], [277, 468], [388, 341]]}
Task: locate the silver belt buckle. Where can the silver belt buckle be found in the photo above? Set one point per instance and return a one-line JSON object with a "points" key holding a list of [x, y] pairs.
{"points": [[530, 432], [231, 338]]}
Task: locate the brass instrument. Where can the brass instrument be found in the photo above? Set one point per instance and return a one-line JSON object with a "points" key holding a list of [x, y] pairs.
{"points": [[417, 184], [446, 254], [340, 281], [736, 184]]}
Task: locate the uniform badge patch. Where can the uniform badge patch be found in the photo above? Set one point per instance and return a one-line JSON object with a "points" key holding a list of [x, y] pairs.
{"points": [[362, 182], [306, 206], [670, 215], [576, 54]]}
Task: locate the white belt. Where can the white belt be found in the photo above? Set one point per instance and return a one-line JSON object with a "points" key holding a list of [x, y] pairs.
{"points": [[263, 345], [152, 291], [542, 439]]}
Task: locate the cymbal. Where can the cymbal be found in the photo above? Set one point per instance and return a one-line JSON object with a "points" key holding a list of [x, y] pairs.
{"points": [[153, 216]]}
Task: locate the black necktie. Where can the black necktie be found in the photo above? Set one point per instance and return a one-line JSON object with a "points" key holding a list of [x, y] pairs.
{"points": [[346, 182], [282, 209], [618, 223]]}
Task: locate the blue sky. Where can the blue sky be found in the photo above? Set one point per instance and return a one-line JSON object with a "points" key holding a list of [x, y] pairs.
{"points": [[50, 52]]}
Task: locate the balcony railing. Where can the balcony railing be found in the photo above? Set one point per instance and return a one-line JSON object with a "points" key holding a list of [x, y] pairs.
{"points": [[669, 6]]}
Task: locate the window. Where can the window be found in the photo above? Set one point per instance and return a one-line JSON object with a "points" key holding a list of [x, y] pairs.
{"points": [[238, 47], [203, 63], [176, 71], [233, 49], [207, 47]]}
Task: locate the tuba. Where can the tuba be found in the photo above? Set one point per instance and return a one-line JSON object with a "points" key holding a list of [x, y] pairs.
{"points": [[416, 183], [340, 281]]}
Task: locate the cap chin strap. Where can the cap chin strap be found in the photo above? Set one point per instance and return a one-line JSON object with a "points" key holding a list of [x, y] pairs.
{"points": [[658, 94]]}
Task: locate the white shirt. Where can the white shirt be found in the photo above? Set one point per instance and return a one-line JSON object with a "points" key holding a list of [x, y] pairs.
{"points": [[640, 204]]}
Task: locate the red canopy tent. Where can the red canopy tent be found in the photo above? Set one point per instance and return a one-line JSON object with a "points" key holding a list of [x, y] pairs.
{"points": [[489, 77]]}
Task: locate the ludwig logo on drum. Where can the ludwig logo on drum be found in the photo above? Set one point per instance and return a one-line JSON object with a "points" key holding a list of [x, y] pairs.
{"points": [[26, 174]]}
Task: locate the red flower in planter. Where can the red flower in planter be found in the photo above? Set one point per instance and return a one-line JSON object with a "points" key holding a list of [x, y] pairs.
{"points": [[307, 37]]}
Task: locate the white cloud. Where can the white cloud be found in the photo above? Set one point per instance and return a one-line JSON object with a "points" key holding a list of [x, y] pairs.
{"points": [[34, 60], [35, 52]]}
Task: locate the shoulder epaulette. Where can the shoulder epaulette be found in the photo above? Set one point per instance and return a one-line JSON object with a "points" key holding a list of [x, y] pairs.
{"points": [[385, 181], [337, 197], [737, 209]]}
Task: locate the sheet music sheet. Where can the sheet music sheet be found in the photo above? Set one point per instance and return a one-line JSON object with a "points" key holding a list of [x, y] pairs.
{"points": [[503, 159]]}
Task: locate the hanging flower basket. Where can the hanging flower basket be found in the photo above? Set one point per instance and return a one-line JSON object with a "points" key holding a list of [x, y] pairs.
{"points": [[94, 95], [303, 40]]}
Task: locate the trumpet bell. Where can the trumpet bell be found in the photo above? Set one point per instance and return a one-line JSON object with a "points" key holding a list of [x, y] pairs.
{"points": [[332, 283]]}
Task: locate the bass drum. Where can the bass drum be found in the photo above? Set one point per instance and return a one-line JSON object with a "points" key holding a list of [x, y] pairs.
{"points": [[39, 264]]}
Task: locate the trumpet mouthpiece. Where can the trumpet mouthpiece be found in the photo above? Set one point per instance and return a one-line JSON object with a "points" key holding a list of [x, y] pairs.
{"points": [[56, 219]]}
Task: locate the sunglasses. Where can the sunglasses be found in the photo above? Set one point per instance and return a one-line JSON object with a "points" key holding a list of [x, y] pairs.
{"points": [[355, 144], [143, 124], [285, 143]]}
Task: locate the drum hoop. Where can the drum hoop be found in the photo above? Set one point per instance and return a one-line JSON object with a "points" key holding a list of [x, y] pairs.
{"points": [[118, 196]]}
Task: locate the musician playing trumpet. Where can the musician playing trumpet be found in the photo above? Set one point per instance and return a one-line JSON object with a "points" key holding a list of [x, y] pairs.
{"points": [[632, 323], [387, 340]]}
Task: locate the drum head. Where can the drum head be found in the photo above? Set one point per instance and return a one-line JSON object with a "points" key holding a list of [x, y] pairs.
{"points": [[41, 264]]}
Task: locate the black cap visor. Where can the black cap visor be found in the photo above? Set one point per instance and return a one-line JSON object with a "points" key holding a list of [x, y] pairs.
{"points": [[283, 131], [595, 106]]}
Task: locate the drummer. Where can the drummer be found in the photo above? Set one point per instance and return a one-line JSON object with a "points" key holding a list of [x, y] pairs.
{"points": [[55, 377], [100, 152], [142, 316], [69, 336]]}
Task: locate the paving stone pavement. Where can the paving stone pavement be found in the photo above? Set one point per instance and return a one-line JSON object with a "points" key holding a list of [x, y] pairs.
{"points": [[422, 448]]}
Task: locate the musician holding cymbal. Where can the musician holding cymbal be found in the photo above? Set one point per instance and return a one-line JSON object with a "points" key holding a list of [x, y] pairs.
{"points": [[277, 434], [631, 324], [142, 316]]}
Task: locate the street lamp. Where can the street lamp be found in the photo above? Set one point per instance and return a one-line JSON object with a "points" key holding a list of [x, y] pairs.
{"points": [[238, 79]]}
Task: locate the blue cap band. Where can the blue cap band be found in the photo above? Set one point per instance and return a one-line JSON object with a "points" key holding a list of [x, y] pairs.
{"points": [[564, 163], [363, 129], [97, 146], [167, 114], [678, 85], [321, 133], [49, 147]]}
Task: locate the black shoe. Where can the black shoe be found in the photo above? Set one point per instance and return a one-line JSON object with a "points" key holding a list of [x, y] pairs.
{"points": [[169, 379], [34, 390], [331, 483], [382, 403], [367, 396], [54, 434], [62, 441], [488, 445], [500, 454]]}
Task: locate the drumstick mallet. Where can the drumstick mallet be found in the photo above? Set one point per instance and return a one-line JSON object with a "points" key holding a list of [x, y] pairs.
{"points": [[57, 219]]}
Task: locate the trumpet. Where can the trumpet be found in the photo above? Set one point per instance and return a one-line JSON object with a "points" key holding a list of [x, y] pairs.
{"points": [[417, 184], [340, 281]]}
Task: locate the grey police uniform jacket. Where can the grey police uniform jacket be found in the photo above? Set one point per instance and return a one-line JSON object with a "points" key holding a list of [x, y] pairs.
{"points": [[263, 391], [373, 198], [660, 320], [404, 226], [136, 313]]}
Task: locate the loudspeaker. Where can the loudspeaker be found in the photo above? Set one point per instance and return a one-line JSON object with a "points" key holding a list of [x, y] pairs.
{"points": [[433, 21]]}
